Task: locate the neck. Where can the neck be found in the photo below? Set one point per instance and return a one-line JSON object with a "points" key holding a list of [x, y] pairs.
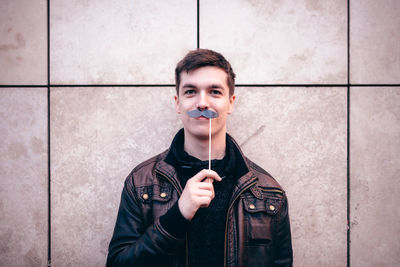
{"points": [[199, 147]]}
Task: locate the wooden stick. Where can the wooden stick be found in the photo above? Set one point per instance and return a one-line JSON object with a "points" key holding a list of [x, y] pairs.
{"points": [[209, 147], [209, 151]]}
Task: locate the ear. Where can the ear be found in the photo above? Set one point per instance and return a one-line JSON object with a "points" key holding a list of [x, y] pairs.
{"points": [[231, 104], [177, 105]]}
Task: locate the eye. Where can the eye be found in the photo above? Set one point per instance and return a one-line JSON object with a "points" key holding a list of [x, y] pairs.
{"points": [[189, 92], [216, 92]]}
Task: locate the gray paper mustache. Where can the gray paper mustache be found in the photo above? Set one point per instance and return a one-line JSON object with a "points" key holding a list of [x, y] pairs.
{"points": [[205, 113]]}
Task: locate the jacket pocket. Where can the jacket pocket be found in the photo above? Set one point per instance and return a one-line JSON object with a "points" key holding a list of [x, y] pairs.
{"points": [[259, 217], [156, 199], [257, 222]]}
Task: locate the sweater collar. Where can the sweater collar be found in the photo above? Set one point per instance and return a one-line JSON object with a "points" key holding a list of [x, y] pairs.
{"points": [[233, 162]]}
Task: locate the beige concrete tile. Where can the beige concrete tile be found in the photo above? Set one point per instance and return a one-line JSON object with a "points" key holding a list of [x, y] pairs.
{"points": [[23, 177], [374, 174], [98, 136], [375, 41], [23, 42], [119, 42], [299, 136], [302, 41]]}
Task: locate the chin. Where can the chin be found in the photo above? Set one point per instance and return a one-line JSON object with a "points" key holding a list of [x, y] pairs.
{"points": [[198, 132]]}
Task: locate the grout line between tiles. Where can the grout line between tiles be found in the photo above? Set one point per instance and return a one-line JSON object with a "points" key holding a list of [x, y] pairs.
{"points": [[198, 24], [173, 85], [48, 141], [112, 85], [348, 177], [22, 86], [49, 180], [348, 135]]}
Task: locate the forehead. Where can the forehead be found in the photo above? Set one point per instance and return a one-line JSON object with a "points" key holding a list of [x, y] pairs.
{"points": [[205, 76]]}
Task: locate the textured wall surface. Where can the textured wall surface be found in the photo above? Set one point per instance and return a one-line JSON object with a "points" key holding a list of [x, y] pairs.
{"points": [[375, 41], [23, 177], [298, 133], [375, 172], [278, 41], [23, 45], [132, 37]]}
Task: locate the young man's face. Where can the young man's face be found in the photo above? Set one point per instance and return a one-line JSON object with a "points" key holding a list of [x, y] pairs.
{"points": [[204, 88]]}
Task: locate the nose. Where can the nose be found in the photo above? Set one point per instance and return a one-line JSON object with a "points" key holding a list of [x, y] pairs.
{"points": [[202, 103]]}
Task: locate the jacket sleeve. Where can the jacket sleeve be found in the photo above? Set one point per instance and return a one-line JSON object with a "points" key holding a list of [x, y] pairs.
{"points": [[283, 252], [134, 243]]}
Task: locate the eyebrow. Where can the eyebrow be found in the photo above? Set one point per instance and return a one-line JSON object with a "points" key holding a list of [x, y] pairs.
{"points": [[193, 86], [216, 85], [189, 85]]}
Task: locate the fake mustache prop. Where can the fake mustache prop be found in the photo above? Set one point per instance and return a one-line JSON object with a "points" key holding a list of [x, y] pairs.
{"points": [[205, 113]]}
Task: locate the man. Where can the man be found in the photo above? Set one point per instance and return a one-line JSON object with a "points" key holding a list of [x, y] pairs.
{"points": [[176, 212]]}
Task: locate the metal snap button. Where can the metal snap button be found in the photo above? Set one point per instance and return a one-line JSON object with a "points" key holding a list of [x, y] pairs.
{"points": [[163, 194], [145, 196], [252, 207], [271, 207]]}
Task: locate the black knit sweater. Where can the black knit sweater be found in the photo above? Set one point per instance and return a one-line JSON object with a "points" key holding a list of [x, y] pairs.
{"points": [[206, 231]]}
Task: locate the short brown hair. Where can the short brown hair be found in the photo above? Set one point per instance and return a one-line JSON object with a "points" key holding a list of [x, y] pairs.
{"points": [[201, 58]]}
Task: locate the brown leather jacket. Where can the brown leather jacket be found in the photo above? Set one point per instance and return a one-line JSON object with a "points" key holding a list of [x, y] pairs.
{"points": [[257, 230]]}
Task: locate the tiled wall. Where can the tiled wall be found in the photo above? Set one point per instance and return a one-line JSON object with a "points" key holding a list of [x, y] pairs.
{"points": [[318, 106]]}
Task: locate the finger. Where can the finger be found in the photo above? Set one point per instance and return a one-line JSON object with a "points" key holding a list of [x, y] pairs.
{"points": [[204, 201], [206, 173], [206, 193], [209, 192], [194, 188], [201, 194], [205, 186]]}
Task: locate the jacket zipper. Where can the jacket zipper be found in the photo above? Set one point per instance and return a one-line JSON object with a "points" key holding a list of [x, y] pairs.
{"points": [[178, 189], [272, 190], [226, 222]]}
